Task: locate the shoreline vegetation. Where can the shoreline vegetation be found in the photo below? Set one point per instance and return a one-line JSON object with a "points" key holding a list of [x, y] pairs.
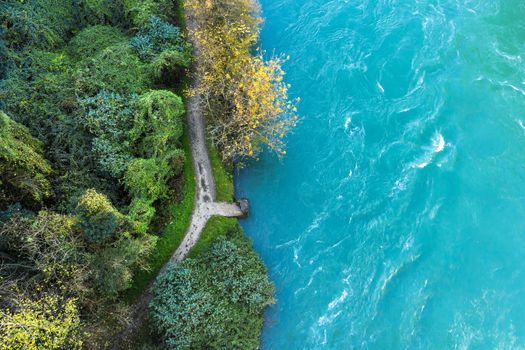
{"points": [[97, 186]]}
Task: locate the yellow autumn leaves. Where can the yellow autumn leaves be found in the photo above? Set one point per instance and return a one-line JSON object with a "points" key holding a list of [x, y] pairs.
{"points": [[48, 322], [243, 95]]}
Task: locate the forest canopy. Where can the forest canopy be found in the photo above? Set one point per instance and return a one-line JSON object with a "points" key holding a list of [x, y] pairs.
{"points": [[90, 139]]}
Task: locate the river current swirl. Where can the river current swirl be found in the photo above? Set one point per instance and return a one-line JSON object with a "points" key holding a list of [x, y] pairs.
{"points": [[397, 218]]}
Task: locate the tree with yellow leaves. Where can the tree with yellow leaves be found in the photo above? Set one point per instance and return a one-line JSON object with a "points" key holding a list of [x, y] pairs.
{"points": [[46, 322], [243, 95]]}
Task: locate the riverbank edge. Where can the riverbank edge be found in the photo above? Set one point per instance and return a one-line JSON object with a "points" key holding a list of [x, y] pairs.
{"points": [[217, 226]]}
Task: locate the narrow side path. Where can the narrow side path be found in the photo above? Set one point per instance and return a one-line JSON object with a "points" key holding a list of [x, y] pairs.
{"points": [[206, 205]]}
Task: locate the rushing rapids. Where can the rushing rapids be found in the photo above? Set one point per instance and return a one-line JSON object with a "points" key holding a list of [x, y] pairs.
{"points": [[397, 218]]}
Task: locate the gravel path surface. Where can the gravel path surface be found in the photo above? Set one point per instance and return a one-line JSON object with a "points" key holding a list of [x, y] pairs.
{"points": [[206, 205]]}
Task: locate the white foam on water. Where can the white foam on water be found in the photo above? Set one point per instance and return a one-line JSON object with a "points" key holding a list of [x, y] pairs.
{"points": [[338, 300], [348, 121], [437, 146], [380, 87], [439, 143], [520, 123], [404, 110], [395, 271], [296, 256], [310, 281], [506, 55], [327, 319], [434, 210], [513, 87]]}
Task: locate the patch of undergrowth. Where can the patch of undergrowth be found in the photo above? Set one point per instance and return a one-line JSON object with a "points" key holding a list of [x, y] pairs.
{"points": [[216, 227], [215, 298]]}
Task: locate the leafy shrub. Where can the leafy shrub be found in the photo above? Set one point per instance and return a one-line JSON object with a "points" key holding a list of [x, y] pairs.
{"points": [[157, 36], [176, 158], [4, 56], [109, 117], [111, 269], [46, 243], [159, 121], [169, 67], [91, 40], [38, 94], [23, 168], [146, 178], [240, 275], [116, 68], [146, 181], [92, 12], [99, 221], [39, 23], [141, 212], [140, 11], [197, 306]]}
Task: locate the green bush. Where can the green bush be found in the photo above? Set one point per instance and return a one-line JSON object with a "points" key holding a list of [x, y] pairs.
{"points": [[111, 269], [177, 213], [23, 168], [116, 69], [169, 67], [91, 40], [99, 221], [141, 212], [213, 301], [159, 122], [157, 36], [46, 243], [146, 178], [39, 94], [92, 12], [109, 117], [239, 274], [140, 11], [39, 23]]}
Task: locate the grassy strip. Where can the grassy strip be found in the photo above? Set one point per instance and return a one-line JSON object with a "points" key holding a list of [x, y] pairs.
{"points": [[215, 227], [223, 178], [180, 215]]}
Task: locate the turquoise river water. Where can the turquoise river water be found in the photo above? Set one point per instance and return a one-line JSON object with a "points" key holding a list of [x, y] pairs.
{"points": [[397, 218]]}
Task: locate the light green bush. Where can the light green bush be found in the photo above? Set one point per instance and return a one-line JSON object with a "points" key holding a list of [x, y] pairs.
{"points": [[159, 122], [140, 11], [23, 169], [91, 40], [116, 69]]}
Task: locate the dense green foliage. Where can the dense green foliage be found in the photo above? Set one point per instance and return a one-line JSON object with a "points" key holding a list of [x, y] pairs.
{"points": [[214, 300], [23, 168], [90, 41], [90, 139], [174, 230]]}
